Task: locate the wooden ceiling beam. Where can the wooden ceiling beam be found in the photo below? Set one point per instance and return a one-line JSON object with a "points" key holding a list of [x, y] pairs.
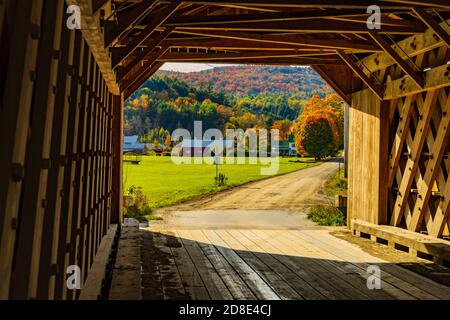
{"points": [[432, 24], [184, 56], [372, 86], [113, 30], [333, 83], [145, 34], [115, 55], [299, 40], [428, 3], [399, 60], [146, 64], [334, 4], [264, 17], [317, 25], [278, 61]]}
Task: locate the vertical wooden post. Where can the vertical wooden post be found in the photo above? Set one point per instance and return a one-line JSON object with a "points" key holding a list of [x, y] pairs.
{"points": [[31, 239], [368, 158], [346, 138], [14, 123], [117, 146]]}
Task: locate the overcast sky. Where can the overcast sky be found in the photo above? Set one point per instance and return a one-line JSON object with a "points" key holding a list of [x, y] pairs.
{"points": [[190, 67]]}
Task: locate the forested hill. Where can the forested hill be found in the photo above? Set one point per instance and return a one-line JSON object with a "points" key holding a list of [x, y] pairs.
{"points": [[227, 97], [256, 80]]}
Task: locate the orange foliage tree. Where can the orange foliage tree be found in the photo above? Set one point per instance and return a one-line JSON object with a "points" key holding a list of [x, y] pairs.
{"points": [[318, 130]]}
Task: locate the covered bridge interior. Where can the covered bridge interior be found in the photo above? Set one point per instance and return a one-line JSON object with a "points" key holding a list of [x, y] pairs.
{"points": [[61, 102]]}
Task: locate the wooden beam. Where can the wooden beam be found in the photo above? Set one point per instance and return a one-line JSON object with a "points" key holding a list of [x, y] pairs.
{"points": [[97, 5], [435, 78], [141, 69], [331, 81], [145, 52], [433, 25], [408, 48], [117, 148], [113, 30], [270, 61], [372, 86], [186, 56], [396, 57], [400, 136], [14, 128], [412, 163], [317, 25], [179, 21], [145, 34], [237, 44], [299, 40], [362, 4], [432, 167], [428, 3]]}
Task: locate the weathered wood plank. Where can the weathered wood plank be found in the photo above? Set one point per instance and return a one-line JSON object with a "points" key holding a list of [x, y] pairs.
{"points": [[238, 288], [299, 265], [257, 284], [277, 283], [216, 288], [14, 127], [297, 283]]}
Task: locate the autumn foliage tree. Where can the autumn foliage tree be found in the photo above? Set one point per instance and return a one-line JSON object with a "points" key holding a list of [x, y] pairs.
{"points": [[317, 130]]}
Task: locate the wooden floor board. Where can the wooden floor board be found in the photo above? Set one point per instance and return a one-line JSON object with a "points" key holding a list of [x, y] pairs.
{"points": [[297, 283], [237, 286], [355, 282], [273, 280], [215, 287], [300, 266], [311, 258], [191, 280], [258, 286], [170, 276], [395, 286], [223, 264]]}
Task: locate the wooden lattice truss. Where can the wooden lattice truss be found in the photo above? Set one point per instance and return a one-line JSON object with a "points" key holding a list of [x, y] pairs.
{"points": [[419, 165]]}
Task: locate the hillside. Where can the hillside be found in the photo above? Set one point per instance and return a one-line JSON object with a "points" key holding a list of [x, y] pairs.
{"points": [[256, 80], [226, 97]]}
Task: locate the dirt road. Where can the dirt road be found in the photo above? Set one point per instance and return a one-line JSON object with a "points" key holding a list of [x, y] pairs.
{"points": [[271, 203]]}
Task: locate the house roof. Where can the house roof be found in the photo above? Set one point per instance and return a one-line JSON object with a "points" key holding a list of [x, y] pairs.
{"points": [[189, 143]]}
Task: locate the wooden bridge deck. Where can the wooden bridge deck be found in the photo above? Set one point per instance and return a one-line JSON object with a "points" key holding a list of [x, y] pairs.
{"points": [[269, 264]]}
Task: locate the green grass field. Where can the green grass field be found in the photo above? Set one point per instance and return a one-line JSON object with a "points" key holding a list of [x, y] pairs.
{"points": [[166, 183]]}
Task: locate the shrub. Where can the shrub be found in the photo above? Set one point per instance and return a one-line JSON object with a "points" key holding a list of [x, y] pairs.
{"points": [[327, 215], [221, 179], [138, 207]]}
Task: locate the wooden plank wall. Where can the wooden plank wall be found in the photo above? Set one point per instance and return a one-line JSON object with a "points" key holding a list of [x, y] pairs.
{"points": [[56, 165], [367, 165]]}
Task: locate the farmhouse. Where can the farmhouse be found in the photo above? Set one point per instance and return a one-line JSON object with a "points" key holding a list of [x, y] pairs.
{"points": [[132, 144], [196, 148]]}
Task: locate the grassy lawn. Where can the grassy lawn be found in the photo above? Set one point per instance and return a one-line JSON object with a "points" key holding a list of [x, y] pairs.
{"points": [[166, 184]]}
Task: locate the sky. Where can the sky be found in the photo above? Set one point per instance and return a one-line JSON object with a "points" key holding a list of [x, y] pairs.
{"points": [[190, 67]]}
